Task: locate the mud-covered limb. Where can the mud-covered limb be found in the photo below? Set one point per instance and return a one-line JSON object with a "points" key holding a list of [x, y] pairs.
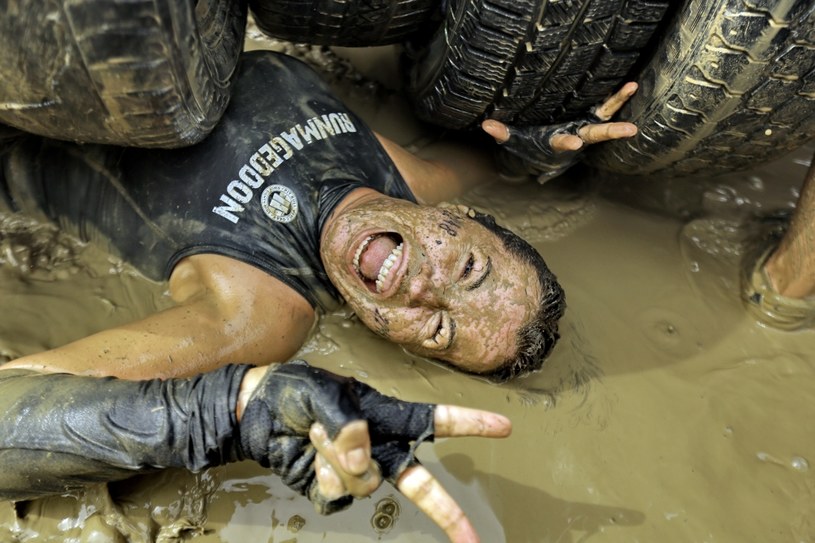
{"points": [[288, 400], [60, 432], [445, 169], [216, 296], [548, 151], [791, 268]]}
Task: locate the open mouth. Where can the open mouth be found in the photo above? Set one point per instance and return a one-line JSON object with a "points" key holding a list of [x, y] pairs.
{"points": [[376, 260]]}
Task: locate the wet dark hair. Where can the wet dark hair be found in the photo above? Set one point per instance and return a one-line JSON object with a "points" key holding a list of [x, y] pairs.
{"points": [[538, 336]]}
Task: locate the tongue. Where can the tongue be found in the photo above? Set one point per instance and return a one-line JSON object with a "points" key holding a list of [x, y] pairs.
{"points": [[371, 259]]}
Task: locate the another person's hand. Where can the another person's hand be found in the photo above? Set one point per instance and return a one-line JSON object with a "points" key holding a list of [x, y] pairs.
{"points": [[547, 151], [361, 435]]}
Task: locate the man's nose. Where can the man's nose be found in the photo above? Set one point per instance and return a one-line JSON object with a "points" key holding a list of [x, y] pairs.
{"points": [[423, 290]]}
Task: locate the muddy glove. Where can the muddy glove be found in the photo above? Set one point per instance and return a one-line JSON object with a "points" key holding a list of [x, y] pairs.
{"points": [[528, 151], [275, 425]]}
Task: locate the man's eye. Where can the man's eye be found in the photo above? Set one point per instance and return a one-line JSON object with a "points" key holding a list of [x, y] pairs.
{"points": [[468, 268]]}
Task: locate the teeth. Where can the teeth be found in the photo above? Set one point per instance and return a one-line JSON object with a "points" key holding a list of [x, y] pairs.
{"points": [[359, 252], [387, 265]]}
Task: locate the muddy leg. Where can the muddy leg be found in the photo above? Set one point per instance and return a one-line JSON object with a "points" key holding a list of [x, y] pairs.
{"points": [[791, 268]]}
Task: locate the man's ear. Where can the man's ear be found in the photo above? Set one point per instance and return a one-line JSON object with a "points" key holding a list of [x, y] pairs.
{"points": [[463, 210]]}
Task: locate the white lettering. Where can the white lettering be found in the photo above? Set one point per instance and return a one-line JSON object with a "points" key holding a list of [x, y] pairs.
{"points": [[336, 123], [278, 144], [272, 154], [292, 138], [349, 126], [266, 149], [261, 166], [239, 192], [310, 133], [324, 125], [251, 177], [228, 213]]}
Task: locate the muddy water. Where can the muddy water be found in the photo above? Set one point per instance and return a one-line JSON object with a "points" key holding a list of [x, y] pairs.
{"points": [[665, 414]]}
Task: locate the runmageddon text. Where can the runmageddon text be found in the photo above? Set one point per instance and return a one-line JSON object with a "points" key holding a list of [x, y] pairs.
{"points": [[270, 155]]}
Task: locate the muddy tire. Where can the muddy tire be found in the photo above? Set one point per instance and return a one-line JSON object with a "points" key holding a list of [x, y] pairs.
{"points": [[527, 61], [351, 23], [732, 85], [137, 72]]}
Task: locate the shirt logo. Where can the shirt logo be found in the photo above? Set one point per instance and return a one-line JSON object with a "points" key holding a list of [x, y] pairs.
{"points": [[279, 203]]}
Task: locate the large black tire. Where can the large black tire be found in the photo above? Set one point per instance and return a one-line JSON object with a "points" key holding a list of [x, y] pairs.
{"points": [[731, 85], [527, 61], [351, 23], [150, 73]]}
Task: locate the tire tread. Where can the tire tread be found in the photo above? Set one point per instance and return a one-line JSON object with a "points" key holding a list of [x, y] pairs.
{"points": [[554, 58]]}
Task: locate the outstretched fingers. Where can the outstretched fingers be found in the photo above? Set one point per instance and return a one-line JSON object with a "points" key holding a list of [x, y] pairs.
{"points": [[612, 105], [595, 133], [349, 458], [454, 421], [420, 487]]}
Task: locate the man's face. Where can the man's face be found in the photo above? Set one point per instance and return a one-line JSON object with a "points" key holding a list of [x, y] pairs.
{"points": [[432, 280]]}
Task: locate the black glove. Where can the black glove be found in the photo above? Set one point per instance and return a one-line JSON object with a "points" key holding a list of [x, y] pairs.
{"points": [[528, 151], [290, 398]]}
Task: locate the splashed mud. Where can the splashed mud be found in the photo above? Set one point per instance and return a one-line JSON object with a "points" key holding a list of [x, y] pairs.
{"points": [[665, 414]]}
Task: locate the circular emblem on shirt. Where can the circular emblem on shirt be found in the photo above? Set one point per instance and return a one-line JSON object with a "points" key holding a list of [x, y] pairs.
{"points": [[279, 203]]}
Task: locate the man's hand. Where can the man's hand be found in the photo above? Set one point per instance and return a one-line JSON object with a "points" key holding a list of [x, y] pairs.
{"points": [[547, 151], [290, 413], [336, 479]]}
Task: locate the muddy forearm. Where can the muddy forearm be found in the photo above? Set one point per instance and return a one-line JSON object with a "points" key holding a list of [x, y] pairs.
{"points": [[60, 432], [180, 341]]}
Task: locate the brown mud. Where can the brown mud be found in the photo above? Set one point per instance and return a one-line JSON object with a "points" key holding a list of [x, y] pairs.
{"points": [[665, 414]]}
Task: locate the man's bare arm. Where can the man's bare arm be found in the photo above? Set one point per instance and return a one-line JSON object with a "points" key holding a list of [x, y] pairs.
{"points": [[228, 311]]}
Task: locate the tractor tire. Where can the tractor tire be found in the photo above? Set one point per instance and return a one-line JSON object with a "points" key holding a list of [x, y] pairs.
{"points": [[732, 85], [146, 73], [349, 23], [527, 61]]}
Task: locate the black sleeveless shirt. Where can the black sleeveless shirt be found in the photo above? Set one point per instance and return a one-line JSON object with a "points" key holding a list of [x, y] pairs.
{"points": [[258, 189]]}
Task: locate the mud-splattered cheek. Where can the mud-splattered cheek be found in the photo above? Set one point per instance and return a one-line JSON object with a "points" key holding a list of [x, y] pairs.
{"points": [[381, 324]]}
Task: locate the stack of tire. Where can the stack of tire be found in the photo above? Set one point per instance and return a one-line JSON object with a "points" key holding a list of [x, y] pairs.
{"points": [[724, 84]]}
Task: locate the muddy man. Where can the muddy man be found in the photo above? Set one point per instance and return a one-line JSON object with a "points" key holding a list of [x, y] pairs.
{"points": [[290, 207]]}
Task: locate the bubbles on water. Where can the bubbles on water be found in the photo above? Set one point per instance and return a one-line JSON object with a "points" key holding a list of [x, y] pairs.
{"points": [[724, 200], [386, 514], [669, 332], [756, 183], [799, 463]]}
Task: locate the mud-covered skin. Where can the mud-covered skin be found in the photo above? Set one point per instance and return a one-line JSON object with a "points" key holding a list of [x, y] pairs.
{"points": [[157, 206], [529, 149], [289, 399], [60, 432]]}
